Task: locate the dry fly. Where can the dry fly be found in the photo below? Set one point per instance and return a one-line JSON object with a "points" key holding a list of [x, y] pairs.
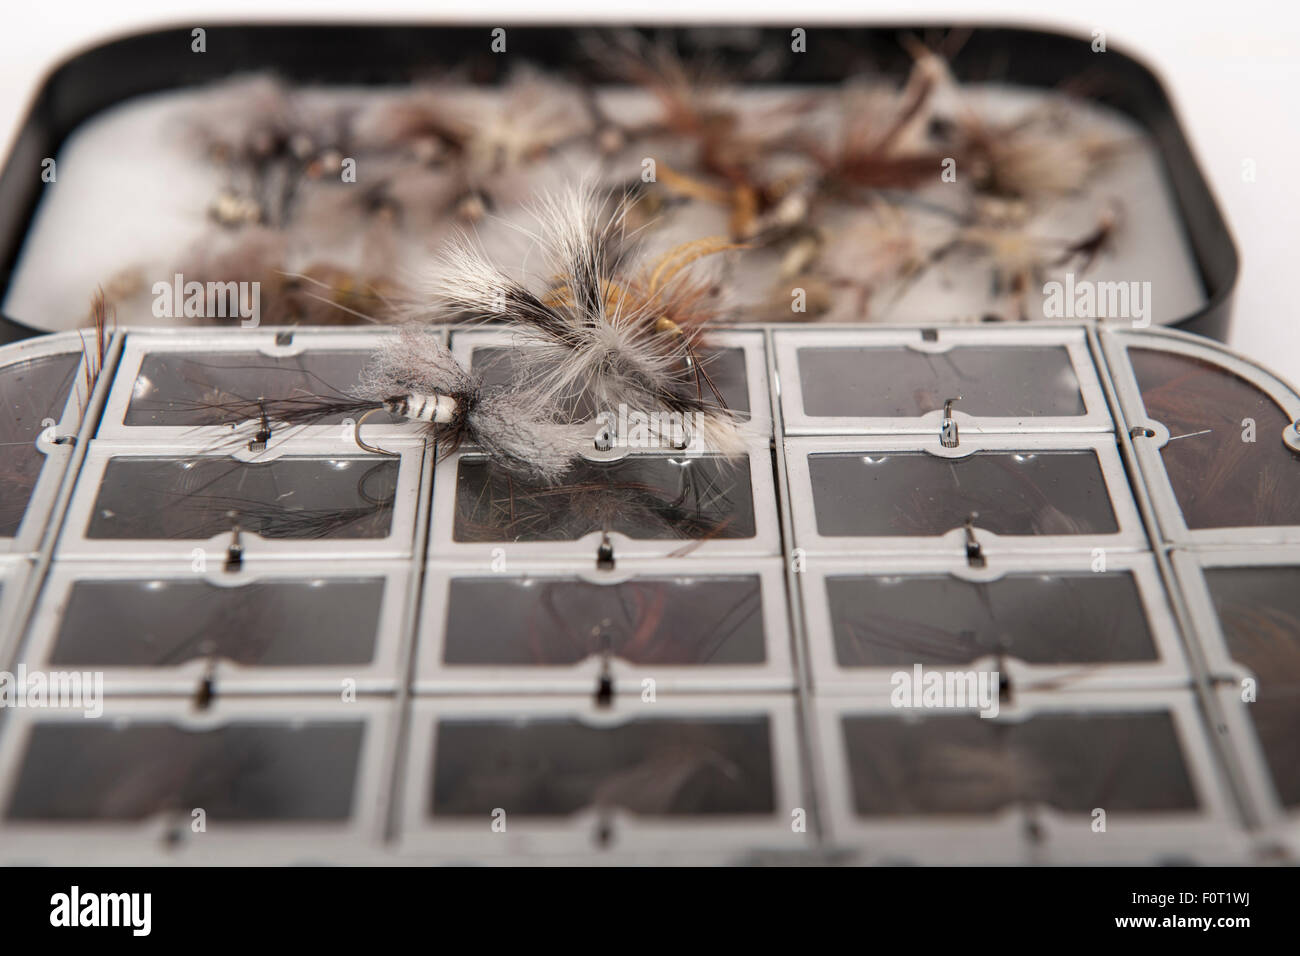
{"points": [[622, 333]]}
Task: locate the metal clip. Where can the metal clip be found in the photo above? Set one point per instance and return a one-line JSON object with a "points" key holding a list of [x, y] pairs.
{"points": [[974, 551], [948, 436], [603, 835], [206, 691], [263, 435], [605, 553], [604, 696], [235, 551]]}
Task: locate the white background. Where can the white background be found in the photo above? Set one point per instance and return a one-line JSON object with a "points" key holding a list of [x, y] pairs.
{"points": [[1232, 69]]}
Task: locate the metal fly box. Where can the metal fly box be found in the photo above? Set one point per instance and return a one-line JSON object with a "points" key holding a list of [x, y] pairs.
{"points": [[977, 485], [660, 627], [602, 638]]}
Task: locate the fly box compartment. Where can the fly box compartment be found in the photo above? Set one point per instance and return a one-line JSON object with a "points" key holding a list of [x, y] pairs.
{"points": [[317, 499], [1215, 437], [181, 389], [526, 779], [646, 505], [640, 628], [153, 782], [167, 628], [46, 386], [1117, 778], [992, 494], [1040, 624]]}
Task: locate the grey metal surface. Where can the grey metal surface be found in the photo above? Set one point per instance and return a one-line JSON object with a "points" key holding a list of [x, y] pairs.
{"points": [[689, 704]]}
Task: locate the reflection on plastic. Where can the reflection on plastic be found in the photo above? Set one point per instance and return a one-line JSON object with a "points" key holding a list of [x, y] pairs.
{"points": [[1219, 479], [164, 623], [914, 493], [1259, 613], [197, 498], [193, 389], [1276, 719], [647, 497], [899, 382], [102, 771], [559, 766], [30, 393], [960, 763], [1049, 618], [559, 621]]}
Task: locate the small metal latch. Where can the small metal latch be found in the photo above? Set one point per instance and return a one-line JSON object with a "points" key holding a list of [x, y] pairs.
{"points": [[604, 696], [603, 835], [948, 436], [235, 551], [605, 553], [974, 552], [263, 436], [206, 691], [605, 687]]}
